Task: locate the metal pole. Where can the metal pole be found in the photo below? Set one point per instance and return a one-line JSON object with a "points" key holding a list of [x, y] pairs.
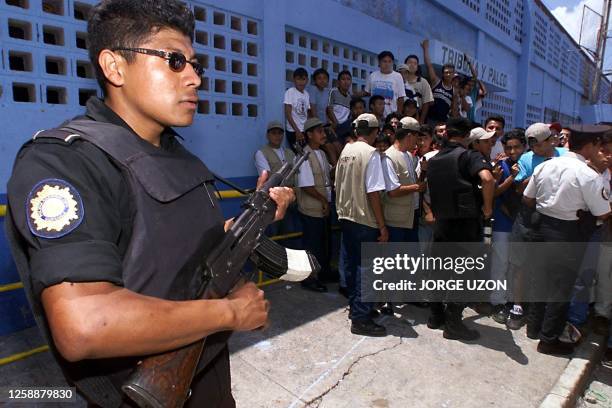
{"points": [[602, 36]]}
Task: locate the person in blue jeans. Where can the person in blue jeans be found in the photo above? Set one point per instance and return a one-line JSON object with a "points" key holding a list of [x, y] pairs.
{"points": [[359, 182]]}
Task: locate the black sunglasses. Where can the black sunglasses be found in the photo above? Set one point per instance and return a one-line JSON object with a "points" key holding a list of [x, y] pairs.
{"points": [[176, 60]]}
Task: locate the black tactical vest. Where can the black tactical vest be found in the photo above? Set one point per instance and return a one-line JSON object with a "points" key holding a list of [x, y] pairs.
{"points": [[177, 220], [452, 195]]}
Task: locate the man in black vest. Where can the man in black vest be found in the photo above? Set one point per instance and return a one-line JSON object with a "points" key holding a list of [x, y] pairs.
{"points": [[109, 215], [461, 187]]}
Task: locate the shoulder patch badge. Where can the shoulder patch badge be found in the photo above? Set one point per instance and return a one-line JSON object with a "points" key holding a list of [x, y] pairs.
{"points": [[605, 194], [54, 209]]}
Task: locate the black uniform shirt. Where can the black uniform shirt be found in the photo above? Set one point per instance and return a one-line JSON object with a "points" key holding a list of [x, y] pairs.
{"points": [[92, 247], [470, 164]]}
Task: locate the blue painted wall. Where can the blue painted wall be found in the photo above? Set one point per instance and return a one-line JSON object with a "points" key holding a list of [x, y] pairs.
{"points": [[245, 45]]}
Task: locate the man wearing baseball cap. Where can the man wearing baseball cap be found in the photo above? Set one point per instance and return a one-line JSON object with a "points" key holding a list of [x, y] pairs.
{"points": [[359, 182], [272, 156], [314, 200], [561, 190], [402, 202], [482, 141]]}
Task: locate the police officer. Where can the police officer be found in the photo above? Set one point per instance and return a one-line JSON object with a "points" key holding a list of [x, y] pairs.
{"points": [[359, 182], [461, 187], [561, 190], [109, 215]]}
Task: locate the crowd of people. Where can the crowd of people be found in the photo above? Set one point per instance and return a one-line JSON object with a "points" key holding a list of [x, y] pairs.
{"points": [[413, 164]]}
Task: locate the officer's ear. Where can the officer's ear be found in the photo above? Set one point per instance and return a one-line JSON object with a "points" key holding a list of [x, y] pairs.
{"points": [[113, 67]]}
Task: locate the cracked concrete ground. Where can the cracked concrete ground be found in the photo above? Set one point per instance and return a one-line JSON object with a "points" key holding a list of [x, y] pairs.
{"points": [[309, 358]]}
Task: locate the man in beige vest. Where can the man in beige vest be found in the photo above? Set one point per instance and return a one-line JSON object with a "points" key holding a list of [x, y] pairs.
{"points": [[272, 156], [359, 182], [400, 203], [314, 201]]}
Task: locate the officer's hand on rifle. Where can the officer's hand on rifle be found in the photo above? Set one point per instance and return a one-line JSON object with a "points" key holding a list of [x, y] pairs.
{"points": [[282, 196], [421, 187], [249, 308]]}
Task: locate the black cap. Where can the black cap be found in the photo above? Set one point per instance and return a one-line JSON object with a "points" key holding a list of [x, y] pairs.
{"points": [[594, 130]]}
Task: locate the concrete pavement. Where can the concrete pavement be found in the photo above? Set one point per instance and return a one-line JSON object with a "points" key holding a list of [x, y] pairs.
{"points": [[309, 358]]}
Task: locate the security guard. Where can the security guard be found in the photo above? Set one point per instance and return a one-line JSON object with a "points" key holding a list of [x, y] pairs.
{"points": [[314, 201], [359, 182], [562, 190], [109, 216], [461, 187], [399, 204]]}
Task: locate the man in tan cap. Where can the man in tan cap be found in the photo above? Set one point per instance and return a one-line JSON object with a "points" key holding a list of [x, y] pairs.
{"points": [[401, 203], [314, 202], [273, 155], [359, 181]]}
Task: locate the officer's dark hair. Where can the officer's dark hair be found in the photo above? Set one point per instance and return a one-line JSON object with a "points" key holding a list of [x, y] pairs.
{"points": [[355, 101], [374, 99], [390, 116], [458, 127], [345, 72], [607, 138], [581, 139], [386, 54], [320, 71], [516, 134], [300, 73], [129, 23], [499, 119]]}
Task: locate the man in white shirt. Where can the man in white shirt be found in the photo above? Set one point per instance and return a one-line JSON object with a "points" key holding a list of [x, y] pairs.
{"points": [[561, 190], [314, 198], [272, 156], [387, 83], [297, 108]]}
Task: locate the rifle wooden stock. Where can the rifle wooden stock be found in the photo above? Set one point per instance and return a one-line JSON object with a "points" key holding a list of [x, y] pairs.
{"points": [[163, 380]]}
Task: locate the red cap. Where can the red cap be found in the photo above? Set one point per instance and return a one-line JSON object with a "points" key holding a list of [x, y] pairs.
{"points": [[555, 126]]}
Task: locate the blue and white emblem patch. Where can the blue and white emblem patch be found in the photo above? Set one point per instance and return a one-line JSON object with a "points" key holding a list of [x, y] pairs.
{"points": [[54, 209]]}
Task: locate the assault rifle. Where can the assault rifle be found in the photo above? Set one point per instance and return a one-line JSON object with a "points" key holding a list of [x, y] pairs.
{"points": [[163, 380]]}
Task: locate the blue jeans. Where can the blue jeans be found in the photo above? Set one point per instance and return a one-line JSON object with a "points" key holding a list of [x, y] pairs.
{"points": [[397, 234], [342, 262], [354, 235]]}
